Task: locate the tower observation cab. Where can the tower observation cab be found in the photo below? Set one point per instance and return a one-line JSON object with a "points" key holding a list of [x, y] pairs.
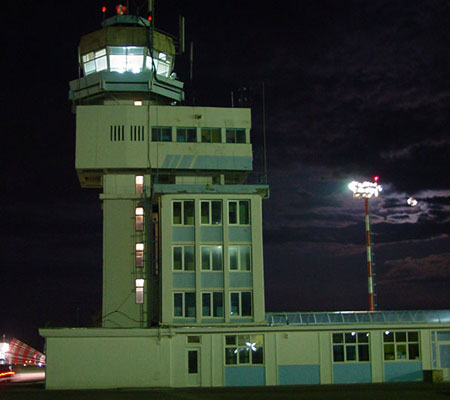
{"points": [[182, 240]]}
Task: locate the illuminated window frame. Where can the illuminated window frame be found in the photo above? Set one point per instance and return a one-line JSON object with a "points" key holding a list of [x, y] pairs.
{"points": [[139, 184], [211, 135], [208, 257], [139, 283], [139, 255], [244, 350], [401, 346], [139, 219], [351, 347]]}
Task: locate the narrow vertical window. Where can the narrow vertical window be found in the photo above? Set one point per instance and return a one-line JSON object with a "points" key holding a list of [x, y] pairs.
{"points": [[139, 218], [206, 304], [139, 291], [140, 255], [139, 184], [178, 304]]}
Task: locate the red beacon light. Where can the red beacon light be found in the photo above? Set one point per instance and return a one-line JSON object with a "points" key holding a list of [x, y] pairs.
{"points": [[121, 9], [375, 178], [103, 9]]}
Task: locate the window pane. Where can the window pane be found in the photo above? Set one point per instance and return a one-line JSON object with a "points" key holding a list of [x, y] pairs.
{"points": [[350, 353], [233, 250], [189, 303], [363, 352], [232, 212], [215, 136], [246, 303], [413, 336], [401, 352], [350, 337], [177, 258], [338, 338], [217, 258], [230, 340], [363, 337], [178, 304], [389, 353], [206, 258], [230, 136], [218, 304], [181, 135], [400, 336], [156, 135], [244, 356], [176, 212], [231, 355], [235, 310], [338, 353], [189, 258], [193, 361], [413, 349], [258, 356], [216, 212], [166, 134], [206, 304], [139, 222], [191, 135], [243, 213], [206, 136], [240, 135], [204, 206], [388, 337], [245, 258], [188, 213]]}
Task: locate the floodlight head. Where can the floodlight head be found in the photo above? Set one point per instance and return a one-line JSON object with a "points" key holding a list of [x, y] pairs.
{"points": [[365, 189]]}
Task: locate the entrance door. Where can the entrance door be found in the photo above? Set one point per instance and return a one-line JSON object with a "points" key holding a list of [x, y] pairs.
{"points": [[193, 367]]}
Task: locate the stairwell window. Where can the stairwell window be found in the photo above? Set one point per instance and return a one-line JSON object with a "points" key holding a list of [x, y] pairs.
{"points": [[139, 218], [239, 212], [139, 182], [139, 291], [186, 134], [140, 255]]}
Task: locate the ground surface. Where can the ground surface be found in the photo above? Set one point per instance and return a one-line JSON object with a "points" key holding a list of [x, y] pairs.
{"points": [[409, 391]]}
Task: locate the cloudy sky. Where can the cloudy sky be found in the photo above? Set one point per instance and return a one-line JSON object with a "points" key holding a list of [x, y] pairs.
{"points": [[353, 89]]}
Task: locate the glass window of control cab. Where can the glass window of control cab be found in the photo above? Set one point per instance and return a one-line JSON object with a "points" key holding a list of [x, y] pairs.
{"points": [[186, 135], [239, 212]]}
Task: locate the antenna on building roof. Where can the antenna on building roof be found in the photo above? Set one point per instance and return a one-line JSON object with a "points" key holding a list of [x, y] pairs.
{"points": [[264, 132]]}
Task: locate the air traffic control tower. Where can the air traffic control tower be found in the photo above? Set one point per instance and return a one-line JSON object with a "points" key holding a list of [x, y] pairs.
{"points": [[182, 231]]}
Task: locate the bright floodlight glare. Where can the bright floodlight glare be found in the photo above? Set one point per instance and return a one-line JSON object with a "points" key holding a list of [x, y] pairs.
{"points": [[365, 189], [412, 202]]}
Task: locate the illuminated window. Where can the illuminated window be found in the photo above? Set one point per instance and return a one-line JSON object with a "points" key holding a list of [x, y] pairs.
{"points": [[184, 304], [140, 255], [139, 291], [212, 304], [126, 58], [183, 258], [94, 61], [211, 135], [186, 134], [161, 134], [240, 257], [139, 218], [211, 212], [212, 258], [351, 347], [235, 135], [244, 349], [183, 212], [241, 304], [401, 346], [239, 212], [139, 184]]}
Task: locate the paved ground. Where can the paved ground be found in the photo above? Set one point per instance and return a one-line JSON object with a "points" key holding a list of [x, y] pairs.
{"points": [[400, 391]]}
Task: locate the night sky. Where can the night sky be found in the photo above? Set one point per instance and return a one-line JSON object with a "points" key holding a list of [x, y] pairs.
{"points": [[353, 89]]}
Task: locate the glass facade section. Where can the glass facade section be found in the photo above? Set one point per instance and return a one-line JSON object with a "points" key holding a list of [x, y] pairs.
{"points": [[244, 349], [401, 345]]}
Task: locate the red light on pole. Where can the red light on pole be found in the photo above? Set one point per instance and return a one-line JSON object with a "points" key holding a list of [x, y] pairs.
{"points": [[103, 9], [375, 178]]}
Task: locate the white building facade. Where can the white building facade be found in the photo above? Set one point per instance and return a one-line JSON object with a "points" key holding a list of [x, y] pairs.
{"points": [[183, 281]]}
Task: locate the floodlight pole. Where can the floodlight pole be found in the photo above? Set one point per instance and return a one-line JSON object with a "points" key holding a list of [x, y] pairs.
{"points": [[369, 255]]}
